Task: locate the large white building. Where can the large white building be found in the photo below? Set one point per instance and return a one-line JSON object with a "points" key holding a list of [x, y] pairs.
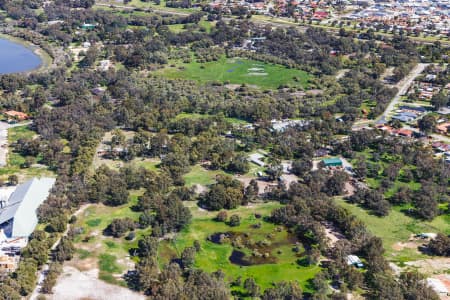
{"points": [[18, 216]]}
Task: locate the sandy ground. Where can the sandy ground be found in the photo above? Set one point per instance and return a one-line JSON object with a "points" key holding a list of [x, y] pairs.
{"points": [[3, 142], [77, 285], [262, 185], [445, 280], [431, 265], [332, 233]]}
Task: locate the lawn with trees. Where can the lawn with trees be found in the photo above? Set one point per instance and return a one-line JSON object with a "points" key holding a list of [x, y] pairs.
{"points": [[239, 71]]}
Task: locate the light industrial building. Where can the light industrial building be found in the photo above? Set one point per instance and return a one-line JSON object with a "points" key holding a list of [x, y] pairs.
{"points": [[18, 214]]}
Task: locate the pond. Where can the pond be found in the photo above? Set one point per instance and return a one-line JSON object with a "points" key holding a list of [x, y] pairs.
{"points": [[15, 58]]}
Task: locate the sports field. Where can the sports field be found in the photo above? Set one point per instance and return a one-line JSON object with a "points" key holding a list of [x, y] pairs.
{"points": [[239, 71]]}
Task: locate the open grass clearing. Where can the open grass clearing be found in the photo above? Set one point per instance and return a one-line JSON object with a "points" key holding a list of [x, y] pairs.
{"points": [[196, 116], [239, 71], [201, 176], [398, 227], [213, 256], [15, 161], [94, 250]]}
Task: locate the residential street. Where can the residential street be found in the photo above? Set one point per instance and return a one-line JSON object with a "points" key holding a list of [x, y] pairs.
{"points": [[402, 87]]}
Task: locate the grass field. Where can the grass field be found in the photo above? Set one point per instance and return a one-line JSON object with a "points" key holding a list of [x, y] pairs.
{"points": [[200, 175], [15, 160], [108, 254], [239, 71], [397, 227], [213, 257], [196, 116]]}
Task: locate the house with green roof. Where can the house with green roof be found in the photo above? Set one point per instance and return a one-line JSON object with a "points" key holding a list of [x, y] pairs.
{"points": [[332, 162]]}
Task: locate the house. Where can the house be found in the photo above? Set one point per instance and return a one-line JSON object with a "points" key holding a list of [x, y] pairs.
{"points": [[18, 216], [16, 115], [443, 128], [256, 159], [353, 260], [86, 26], [7, 263], [404, 132], [332, 162]]}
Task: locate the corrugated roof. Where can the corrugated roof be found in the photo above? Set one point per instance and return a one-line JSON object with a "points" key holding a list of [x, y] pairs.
{"points": [[332, 160], [23, 203]]}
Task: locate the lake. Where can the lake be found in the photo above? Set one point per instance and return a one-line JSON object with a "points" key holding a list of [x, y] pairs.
{"points": [[15, 58]]}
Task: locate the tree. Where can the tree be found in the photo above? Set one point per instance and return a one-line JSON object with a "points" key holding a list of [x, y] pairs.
{"points": [[251, 191], [13, 180], [64, 250], [414, 286], [283, 290], [235, 220], [440, 245], [301, 166], [188, 257], [274, 170], [49, 282], [335, 185], [427, 123], [439, 100], [118, 227], [222, 216], [251, 287]]}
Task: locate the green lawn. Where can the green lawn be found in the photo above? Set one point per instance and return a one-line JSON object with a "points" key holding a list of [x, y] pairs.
{"points": [[213, 257], [397, 227], [16, 160], [196, 116], [239, 71], [200, 175]]}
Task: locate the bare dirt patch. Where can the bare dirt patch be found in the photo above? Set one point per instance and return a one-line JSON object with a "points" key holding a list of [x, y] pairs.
{"points": [[74, 285], [399, 246], [431, 265], [332, 233], [262, 185]]}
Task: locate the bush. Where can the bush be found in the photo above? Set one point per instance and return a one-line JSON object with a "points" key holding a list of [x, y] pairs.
{"points": [[119, 227], [222, 216], [235, 220]]}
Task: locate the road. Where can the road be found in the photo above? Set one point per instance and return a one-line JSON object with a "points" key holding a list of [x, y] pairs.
{"points": [[402, 87], [42, 273]]}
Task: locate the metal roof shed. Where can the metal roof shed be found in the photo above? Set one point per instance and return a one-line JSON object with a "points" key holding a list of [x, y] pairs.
{"points": [[332, 162], [23, 203]]}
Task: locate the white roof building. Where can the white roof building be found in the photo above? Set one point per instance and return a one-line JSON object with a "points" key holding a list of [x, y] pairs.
{"points": [[18, 216]]}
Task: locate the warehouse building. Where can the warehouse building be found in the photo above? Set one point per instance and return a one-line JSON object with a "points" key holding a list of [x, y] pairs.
{"points": [[18, 215]]}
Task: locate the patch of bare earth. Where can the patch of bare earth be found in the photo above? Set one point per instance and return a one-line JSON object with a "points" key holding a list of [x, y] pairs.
{"points": [[332, 233], [262, 185], [399, 246], [75, 285], [431, 265]]}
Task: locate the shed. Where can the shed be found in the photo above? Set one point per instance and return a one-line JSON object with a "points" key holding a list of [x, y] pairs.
{"points": [[355, 261], [332, 162], [18, 216]]}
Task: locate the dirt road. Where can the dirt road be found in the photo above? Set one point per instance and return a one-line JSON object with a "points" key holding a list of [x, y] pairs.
{"points": [[43, 272]]}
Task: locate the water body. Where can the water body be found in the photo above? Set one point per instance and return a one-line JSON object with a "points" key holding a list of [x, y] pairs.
{"points": [[15, 58]]}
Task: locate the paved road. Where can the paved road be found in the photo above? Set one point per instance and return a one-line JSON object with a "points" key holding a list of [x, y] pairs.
{"points": [[43, 272], [402, 87]]}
